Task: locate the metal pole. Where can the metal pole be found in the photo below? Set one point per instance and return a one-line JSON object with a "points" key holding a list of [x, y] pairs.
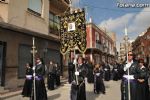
{"points": [[70, 5], [75, 58], [126, 44], [75, 62], [33, 54]]}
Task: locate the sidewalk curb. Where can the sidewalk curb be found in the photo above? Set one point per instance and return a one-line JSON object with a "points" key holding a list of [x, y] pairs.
{"points": [[12, 94]]}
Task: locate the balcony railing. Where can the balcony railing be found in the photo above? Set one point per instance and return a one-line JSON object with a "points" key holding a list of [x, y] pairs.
{"points": [[58, 6], [99, 45], [54, 31]]}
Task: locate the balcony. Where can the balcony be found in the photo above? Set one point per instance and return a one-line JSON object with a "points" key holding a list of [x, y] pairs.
{"points": [[58, 7], [54, 31], [99, 45]]}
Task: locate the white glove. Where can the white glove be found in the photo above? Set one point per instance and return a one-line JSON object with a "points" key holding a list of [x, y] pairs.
{"points": [[131, 77], [74, 61], [76, 73], [97, 74], [33, 68], [128, 76], [34, 74], [127, 66]]}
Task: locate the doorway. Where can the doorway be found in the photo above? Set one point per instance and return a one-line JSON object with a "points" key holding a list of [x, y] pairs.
{"points": [[2, 62]]}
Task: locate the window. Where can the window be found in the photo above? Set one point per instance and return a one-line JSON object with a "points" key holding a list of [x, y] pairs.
{"points": [[148, 37], [102, 40], [97, 35], [67, 1], [4, 1], [35, 6], [107, 43], [54, 22]]}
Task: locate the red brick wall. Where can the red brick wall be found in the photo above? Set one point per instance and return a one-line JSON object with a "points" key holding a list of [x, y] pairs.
{"points": [[88, 36], [93, 37], [146, 42]]}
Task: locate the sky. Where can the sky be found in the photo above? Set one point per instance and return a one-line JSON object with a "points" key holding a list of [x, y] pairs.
{"points": [[114, 16]]}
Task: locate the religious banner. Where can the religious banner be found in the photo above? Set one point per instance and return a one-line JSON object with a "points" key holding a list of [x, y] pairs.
{"points": [[73, 31]]}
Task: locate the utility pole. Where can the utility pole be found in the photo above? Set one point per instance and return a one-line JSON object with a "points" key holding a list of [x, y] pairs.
{"points": [[126, 48]]}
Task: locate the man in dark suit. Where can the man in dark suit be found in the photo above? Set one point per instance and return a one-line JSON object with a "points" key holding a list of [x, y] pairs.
{"points": [[129, 75], [78, 91], [71, 70]]}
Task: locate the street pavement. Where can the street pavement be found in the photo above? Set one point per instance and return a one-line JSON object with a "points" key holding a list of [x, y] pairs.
{"points": [[63, 92]]}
